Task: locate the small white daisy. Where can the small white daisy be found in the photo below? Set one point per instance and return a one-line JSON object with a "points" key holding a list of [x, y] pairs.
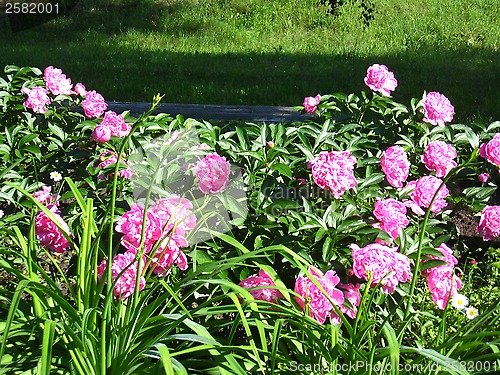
{"points": [[55, 176], [1, 213], [471, 312], [459, 301]]}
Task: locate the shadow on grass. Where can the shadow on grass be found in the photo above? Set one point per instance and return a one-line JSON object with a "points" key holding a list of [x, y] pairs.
{"points": [[125, 71]]}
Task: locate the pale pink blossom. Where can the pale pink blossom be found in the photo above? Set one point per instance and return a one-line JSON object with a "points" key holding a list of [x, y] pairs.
{"points": [[310, 103], [439, 157], [80, 89], [314, 298], [334, 170], [491, 150], [443, 284], [380, 79], [116, 124], [256, 282], [47, 232], [437, 109], [386, 265], [125, 281], [57, 82], [101, 134], [37, 99], [94, 104], [176, 213], [424, 189], [395, 165], [484, 177], [392, 216], [489, 224], [213, 173], [46, 197], [173, 137]]}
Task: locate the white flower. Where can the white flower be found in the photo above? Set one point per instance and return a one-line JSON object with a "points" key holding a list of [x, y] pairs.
{"points": [[471, 312], [1, 214], [459, 301], [55, 176]]}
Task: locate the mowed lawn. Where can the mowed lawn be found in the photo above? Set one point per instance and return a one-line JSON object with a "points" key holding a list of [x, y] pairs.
{"points": [[262, 52]]}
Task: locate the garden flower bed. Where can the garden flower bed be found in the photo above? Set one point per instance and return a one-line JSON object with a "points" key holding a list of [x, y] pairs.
{"points": [[151, 244]]}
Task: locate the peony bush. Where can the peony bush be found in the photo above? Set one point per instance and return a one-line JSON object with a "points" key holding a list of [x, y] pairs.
{"points": [[155, 244]]}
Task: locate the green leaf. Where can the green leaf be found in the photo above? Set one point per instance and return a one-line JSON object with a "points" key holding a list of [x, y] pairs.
{"points": [[282, 169]]}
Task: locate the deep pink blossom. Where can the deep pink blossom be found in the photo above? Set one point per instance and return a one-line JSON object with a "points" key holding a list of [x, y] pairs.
{"points": [[57, 82], [380, 79], [311, 103], [447, 257], [334, 170], [94, 104], [387, 266], [489, 224], [395, 165], [130, 224], [443, 284], [168, 253], [439, 157], [491, 150], [48, 233], [313, 297], [109, 158], [116, 124], [262, 280], [125, 284], [101, 134], [424, 189], [37, 99], [484, 177], [213, 173], [46, 197], [392, 216], [437, 109], [351, 294]]}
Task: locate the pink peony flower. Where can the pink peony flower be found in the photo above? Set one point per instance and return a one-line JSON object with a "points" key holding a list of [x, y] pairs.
{"points": [[387, 266], [351, 294], [318, 303], [334, 170], [310, 103], [94, 104], [443, 284], [37, 99], [108, 158], [125, 284], [392, 216], [46, 197], [489, 224], [395, 165], [484, 177], [439, 157], [57, 82], [447, 257], [491, 150], [176, 213], [116, 124], [213, 173], [169, 253], [380, 79], [80, 89], [264, 294], [437, 109], [101, 134], [424, 189], [48, 233], [130, 224]]}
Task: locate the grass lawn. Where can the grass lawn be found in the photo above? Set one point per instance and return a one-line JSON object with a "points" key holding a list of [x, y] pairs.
{"points": [[262, 52]]}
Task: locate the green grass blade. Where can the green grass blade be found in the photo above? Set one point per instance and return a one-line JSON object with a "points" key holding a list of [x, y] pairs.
{"points": [[47, 344]]}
